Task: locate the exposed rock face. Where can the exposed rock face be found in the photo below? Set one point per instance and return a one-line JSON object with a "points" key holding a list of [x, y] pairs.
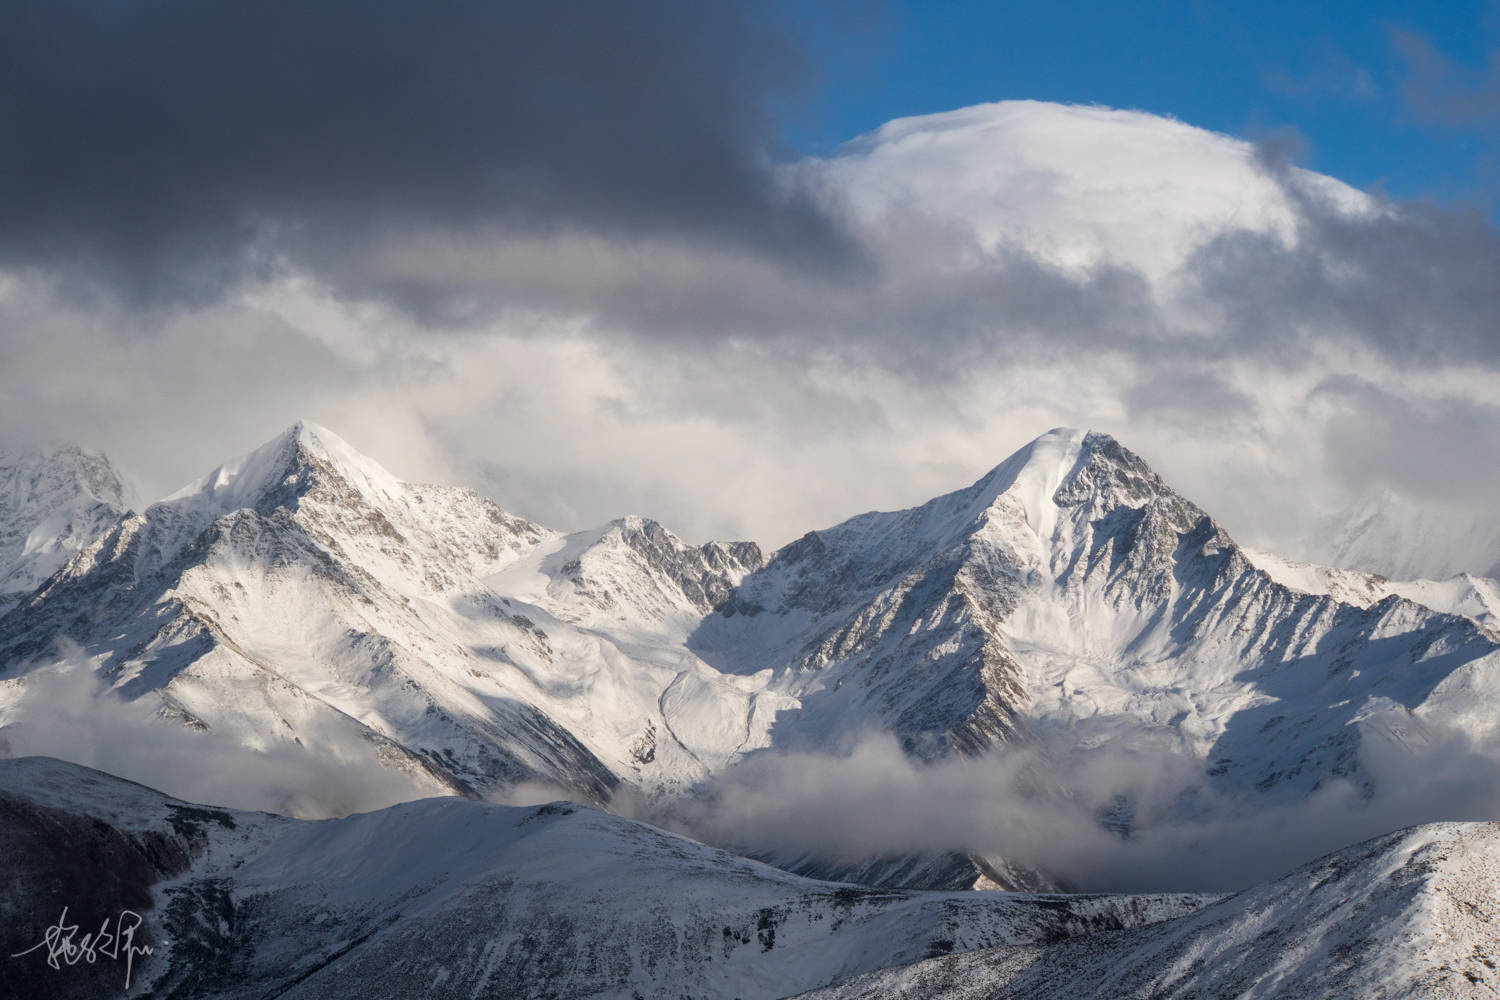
{"points": [[303, 597]]}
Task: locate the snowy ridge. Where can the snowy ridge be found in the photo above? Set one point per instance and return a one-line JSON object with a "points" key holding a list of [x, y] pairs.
{"points": [[447, 898], [1473, 597], [302, 597], [1412, 914]]}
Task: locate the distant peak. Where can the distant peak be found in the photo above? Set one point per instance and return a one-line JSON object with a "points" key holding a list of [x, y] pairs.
{"points": [[54, 469]]}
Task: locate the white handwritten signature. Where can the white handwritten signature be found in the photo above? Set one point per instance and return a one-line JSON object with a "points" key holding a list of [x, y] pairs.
{"points": [[64, 949]]}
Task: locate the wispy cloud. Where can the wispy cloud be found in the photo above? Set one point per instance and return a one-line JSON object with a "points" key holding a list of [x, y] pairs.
{"points": [[1440, 90]]}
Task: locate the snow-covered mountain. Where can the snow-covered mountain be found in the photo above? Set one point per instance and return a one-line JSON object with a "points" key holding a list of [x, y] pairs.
{"points": [[302, 597], [53, 502], [1071, 595], [1474, 597], [1389, 534], [449, 898], [1411, 914], [301, 594]]}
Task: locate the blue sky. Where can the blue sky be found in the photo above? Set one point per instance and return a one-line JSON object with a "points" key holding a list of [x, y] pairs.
{"points": [[1343, 78]]}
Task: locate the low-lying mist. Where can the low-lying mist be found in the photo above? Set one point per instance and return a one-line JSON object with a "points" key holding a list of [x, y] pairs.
{"points": [[63, 711], [1142, 818], [1103, 819]]}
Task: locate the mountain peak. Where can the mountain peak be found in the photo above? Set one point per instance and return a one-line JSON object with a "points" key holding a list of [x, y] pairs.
{"points": [[1067, 463], [25, 471], [279, 469]]}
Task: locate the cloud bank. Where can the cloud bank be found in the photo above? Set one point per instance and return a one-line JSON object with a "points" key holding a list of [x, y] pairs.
{"points": [[1140, 819], [64, 711], [557, 253]]}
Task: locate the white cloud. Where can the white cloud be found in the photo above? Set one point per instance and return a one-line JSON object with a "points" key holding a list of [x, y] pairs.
{"points": [[1024, 266]]}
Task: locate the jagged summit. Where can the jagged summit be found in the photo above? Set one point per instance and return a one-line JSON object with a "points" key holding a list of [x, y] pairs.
{"points": [[303, 597], [636, 568], [1018, 505], [1065, 467], [281, 468]]}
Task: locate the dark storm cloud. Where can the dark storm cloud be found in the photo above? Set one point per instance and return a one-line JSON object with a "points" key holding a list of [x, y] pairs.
{"points": [[170, 147], [1176, 395], [1415, 282]]}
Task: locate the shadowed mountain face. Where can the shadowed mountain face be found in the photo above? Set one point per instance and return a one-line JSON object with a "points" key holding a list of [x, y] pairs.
{"points": [[448, 898], [302, 600]]}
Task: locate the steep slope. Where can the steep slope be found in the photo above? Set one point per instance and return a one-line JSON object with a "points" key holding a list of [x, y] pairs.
{"points": [[53, 503], [303, 596], [448, 898], [1071, 596], [1412, 914]]}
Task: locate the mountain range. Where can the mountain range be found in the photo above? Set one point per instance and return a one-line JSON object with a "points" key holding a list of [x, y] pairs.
{"points": [[302, 604], [303, 597]]}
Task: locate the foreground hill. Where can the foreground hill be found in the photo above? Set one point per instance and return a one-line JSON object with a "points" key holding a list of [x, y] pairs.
{"points": [[1412, 914], [449, 898]]}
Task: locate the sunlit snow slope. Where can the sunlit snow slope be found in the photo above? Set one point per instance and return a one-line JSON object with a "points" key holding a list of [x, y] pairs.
{"points": [[303, 597]]}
